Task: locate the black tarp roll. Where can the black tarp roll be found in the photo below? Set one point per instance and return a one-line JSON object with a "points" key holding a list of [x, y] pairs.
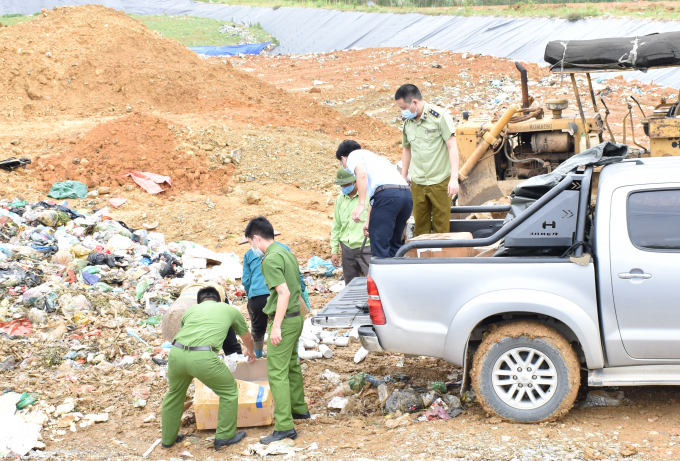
{"points": [[635, 53]]}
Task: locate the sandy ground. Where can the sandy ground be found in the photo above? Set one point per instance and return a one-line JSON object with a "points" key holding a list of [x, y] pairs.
{"points": [[285, 173]]}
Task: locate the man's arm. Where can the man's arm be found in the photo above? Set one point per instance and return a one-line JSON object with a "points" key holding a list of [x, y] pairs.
{"points": [[362, 185], [250, 346], [405, 162], [335, 234], [453, 159], [281, 308], [368, 216]]}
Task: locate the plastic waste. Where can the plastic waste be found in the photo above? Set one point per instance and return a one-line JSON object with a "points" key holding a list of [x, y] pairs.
{"points": [[37, 316], [8, 364], [338, 403], [142, 286], [326, 266], [357, 382], [439, 386], [384, 391], [68, 189], [468, 397], [101, 286], [18, 327], [331, 376], [360, 355], [155, 320], [27, 399], [325, 351], [404, 400], [429, 397], [604, 399], [341, 342]]}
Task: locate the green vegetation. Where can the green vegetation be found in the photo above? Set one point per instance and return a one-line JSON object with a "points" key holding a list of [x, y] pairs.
{"points": [[572, 11], [193, 31], [188, 30], [11, 19]]}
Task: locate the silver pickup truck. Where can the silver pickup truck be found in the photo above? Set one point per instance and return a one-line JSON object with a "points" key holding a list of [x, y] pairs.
{"points": [[526, 328]]}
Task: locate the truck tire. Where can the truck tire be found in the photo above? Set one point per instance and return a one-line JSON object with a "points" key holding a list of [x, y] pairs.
{"points": [[525, 372]]}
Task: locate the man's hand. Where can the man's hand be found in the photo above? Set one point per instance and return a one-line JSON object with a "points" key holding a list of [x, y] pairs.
{"points": [[275, 336], [453, 186], [249, 355], [366, 229], [335, 260], [356, 214]]}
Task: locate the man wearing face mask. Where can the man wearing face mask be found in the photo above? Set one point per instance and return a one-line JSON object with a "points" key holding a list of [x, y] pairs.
{"points": [[430, 156], [281, 274], [258, 293], [346, 233]]}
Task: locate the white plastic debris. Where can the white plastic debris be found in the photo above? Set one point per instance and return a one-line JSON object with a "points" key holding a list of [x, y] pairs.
{"points": [[338, 403], [326, 351], [341, 342], [360, 355]]}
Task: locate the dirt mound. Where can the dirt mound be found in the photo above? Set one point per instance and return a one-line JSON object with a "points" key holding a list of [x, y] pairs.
{"points": [[91, 60], [136, 142]]}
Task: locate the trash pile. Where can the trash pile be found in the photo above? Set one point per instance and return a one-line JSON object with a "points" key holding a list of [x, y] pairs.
{"points": [[398, 396], [82, 296]]}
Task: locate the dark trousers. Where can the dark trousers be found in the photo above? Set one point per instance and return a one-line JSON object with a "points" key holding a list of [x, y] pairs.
{"points": [[231, 344], [258, 319], [352, 264], [390, 210]]}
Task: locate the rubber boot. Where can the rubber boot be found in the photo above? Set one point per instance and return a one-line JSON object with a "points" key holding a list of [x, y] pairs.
{"points": [[259, 346]]}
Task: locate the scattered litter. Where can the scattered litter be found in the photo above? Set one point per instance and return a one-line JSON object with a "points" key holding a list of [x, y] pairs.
{"points": [[149, 181], [116, 202], [282, 447], [605, 399], [68, 189]]}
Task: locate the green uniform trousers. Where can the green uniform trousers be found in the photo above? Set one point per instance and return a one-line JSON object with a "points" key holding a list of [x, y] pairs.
{"points": [[183, 367], [285, 375], [431, 204]]}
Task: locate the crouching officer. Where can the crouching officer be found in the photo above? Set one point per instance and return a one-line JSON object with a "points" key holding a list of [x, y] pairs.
{"points": [[281, 274], [194, 355]]}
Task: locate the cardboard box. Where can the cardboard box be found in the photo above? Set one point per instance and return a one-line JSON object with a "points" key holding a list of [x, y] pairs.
{"points": [[255, 401], [464, 252]]}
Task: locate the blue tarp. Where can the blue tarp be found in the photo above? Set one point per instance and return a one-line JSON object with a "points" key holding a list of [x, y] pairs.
{"points": [[250, 48]]}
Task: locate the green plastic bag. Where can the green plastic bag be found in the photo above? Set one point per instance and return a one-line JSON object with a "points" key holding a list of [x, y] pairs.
{"points": [[18, 203], [92, 270], [27, 400], [357, 382], [155, 320], [68, 189], [438, 386], [141, 289], [101, 286]]}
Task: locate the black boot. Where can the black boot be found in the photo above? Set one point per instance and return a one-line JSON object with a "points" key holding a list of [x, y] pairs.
{"points": [[179, 438], [301, 415], [279, 435], [219, 443]]}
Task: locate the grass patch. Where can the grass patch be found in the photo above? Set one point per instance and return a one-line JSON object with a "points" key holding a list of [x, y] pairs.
{"points": [[11, 19], [526, 8], [193, 31]]}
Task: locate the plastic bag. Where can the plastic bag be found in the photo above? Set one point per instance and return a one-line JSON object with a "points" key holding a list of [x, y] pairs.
{"points": [[18, 327], [316, 262], [101, 286], [68, 189], [404, 400], [62, 258], [155, 320], [27, 400], [142, 287], [357, 382], [604, 399], [439, 386]]}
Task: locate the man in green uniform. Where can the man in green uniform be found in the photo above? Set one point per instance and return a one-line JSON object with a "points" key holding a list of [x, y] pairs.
{"points": [[346, 233], [194, 355], [430, 156], [280, 269]]}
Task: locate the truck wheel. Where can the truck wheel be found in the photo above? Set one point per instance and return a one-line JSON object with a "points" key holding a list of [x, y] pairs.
{"points": [[526, 372]]}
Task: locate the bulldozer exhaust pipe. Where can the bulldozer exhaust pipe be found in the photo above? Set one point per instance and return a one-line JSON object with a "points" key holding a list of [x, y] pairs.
{"points": [[525, 85]]}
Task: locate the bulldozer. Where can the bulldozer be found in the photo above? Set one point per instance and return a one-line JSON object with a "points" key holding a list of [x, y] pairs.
{"points": [[528, 140]]}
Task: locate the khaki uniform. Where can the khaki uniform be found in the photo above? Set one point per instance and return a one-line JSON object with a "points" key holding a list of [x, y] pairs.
{"points": [[430, 168]]}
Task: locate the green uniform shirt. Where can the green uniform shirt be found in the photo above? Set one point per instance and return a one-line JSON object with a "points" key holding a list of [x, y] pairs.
{"points": [[344, 229], [207, 324], [281, 266], [427, 137]]}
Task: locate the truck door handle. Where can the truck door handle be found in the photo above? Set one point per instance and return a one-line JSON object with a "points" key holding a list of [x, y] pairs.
{"points": [[627, 275]]}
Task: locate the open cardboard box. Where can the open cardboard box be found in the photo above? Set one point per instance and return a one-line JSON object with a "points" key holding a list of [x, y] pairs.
{"points": [[466, 252], [255, 401]]}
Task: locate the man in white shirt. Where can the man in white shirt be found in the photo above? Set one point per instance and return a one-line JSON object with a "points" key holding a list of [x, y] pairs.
{"points": [[387, 193]]}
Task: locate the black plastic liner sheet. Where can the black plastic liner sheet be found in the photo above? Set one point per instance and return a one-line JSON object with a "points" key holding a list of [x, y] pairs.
{"points": [[638, 53]]}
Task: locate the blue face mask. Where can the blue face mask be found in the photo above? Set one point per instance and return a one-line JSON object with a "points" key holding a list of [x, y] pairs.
{"points": [[407, 114], [347, 189], [258, 253]]}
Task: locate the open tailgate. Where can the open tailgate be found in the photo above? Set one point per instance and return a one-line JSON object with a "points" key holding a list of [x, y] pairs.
{"points": [[348, 309]]}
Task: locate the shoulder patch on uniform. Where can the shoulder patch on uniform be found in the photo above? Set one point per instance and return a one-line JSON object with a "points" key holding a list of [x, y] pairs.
{"points": [[434, 113]]}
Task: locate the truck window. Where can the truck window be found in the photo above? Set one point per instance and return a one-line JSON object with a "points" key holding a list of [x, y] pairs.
{"points": [[654, 219]]}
